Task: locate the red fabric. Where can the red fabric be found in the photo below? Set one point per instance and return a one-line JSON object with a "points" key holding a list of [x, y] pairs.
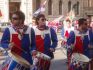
{"points": [[17, 43], [66, 34], [43, 64], [6, 67], [39, 43], [78, 45], [77, 48]]}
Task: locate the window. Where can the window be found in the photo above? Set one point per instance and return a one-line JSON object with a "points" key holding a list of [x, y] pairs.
{"points": [[37, 4], [60, 7], [77, 8], [89, 3], [13, 6], [50, 7], [69, 6]]}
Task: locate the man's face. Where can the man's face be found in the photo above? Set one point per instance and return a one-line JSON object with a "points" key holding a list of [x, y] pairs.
{"points": [[85, 25], [41, 21], [15, 20]]}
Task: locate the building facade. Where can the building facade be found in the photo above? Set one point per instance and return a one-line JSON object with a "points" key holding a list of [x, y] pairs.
{"points": [[56, 8], [53, 8], [7, 7]]}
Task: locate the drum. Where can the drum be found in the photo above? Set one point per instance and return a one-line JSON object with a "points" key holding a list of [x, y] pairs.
{"points": [[43, 56], [43, 62], [18, 59], [2, 51], [79, 60]]}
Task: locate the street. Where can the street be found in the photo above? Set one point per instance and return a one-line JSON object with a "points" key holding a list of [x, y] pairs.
{"points": [[59, 61]]}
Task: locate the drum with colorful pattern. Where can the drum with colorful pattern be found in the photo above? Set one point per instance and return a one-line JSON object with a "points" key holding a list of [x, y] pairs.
{"points": [[42, 61], [18, 63], [79, 60]]}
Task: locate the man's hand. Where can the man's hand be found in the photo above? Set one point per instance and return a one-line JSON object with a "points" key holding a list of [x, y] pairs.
{"points": [[52, 49], [90, 46], [34, 52], [11, 45]]}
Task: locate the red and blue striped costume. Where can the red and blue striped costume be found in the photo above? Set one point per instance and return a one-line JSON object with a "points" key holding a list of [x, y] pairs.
{"points": [[27, 43], [80, 40], [45, 39]]}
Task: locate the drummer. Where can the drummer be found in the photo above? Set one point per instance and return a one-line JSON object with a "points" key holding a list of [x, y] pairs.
{"points": [[46, 40], [20, 39], [79, 40]]}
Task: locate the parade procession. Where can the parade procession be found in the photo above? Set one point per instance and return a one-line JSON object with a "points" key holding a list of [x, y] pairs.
{"points": [[46, 34]]}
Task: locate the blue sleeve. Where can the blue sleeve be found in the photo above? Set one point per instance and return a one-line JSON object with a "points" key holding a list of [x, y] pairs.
{"points": [[71, 38], [53, 38], [33, 42], [5, 38], [91, 36], [62, 32]]}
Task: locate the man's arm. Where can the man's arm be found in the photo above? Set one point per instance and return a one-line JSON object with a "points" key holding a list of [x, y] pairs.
{"points": [[71, 39], [33, 42], [53, 38], [5, 39]]}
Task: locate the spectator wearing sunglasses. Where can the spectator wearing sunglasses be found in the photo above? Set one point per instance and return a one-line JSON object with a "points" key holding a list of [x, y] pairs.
{"points": [[19, 39]]}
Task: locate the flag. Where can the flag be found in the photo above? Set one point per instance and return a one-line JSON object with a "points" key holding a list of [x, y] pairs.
{"points": [[41, 9]]}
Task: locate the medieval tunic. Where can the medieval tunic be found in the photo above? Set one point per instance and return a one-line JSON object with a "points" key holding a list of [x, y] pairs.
{"points": [[23, 44], [80, 42], [46, 39]]}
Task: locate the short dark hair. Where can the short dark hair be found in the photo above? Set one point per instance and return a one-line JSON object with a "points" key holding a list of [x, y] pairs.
{"points": [[81, 21], [20, 14], [38, 17]]}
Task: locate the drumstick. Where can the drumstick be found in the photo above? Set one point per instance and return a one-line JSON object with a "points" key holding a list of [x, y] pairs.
{"points": [[16, 46], [20, 48]]}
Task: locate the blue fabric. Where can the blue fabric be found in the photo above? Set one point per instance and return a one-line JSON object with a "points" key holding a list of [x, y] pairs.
{"points": [[86, 41], [91, 43], [53, 38], [71, 38], [5, 38], [62, 32], [85, 45], [26, 44], [50, 41], [14, 65], [33, 43]]}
